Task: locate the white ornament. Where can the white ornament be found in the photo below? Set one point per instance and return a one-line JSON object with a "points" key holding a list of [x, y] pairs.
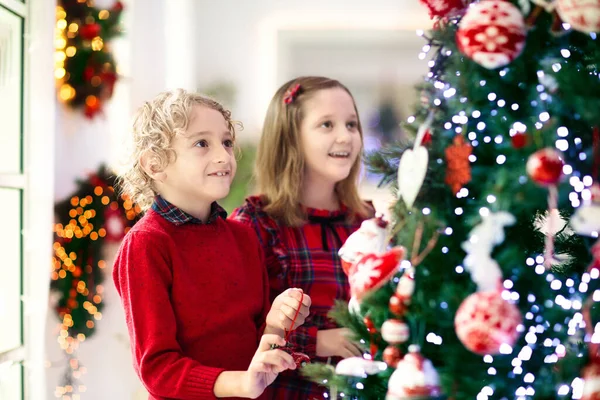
{"points": [[359, 367], [551, 223], [582, 15], [395, 331], [485, 271], [413, 167], [354, 306], [369, 238], [586, 220], [414, 378]]}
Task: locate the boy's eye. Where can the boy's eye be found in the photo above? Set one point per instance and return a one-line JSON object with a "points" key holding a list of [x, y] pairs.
{"points": [[201, 143], [327, 124], [228, 143]]}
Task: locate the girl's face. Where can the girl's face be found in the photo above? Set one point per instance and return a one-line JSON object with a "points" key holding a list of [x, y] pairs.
{"points": [[329, 135]]}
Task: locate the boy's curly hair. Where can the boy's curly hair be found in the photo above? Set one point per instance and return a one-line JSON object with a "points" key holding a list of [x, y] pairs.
{"points": [[155, 125]]}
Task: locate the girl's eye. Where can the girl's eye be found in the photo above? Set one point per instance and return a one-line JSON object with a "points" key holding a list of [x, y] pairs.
{"points": [[352, 125], [327, 124], [228, 143], [201, 143]]}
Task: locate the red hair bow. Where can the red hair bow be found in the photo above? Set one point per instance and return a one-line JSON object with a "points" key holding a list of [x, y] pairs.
{"points": [[291, 94]]}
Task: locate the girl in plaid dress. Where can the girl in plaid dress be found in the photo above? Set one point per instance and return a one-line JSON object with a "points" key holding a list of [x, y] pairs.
{"points": [[307, 171]]}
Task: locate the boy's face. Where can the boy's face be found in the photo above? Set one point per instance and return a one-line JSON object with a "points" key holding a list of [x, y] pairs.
{"points": [[205, 164]]}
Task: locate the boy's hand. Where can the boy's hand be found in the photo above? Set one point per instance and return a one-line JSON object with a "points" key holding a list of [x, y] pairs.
{"points": [[265, 366], [284, 308], [335, 342]]}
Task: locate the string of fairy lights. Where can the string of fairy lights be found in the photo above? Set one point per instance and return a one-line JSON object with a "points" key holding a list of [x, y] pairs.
{"points": [[77, 267]]}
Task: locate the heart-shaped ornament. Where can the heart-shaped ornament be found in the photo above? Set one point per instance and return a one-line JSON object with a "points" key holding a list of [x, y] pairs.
{"points": [[411, 173]]}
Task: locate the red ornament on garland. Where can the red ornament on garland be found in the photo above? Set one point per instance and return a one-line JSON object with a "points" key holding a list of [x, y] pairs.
{"points": [[492, 33], [397, 305], [391, 356], [485, 321], [441, 8], [545, 167], [89, 31], [395, 331]]}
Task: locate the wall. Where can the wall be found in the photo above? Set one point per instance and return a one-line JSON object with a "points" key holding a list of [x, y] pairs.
{"points": [[243, 48]]}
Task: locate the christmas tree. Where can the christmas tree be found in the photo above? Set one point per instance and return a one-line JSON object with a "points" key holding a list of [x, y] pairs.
{"points": [[489, 290]]}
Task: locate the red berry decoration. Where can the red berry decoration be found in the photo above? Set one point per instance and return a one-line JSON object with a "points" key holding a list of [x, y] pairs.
{"points": [[545, 167]]}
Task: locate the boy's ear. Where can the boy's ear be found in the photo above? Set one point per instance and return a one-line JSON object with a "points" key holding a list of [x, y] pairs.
{"points": [[149, 165]]}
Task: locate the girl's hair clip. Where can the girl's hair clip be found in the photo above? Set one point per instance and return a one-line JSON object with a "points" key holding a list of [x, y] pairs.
{"points": [[291, 94]]}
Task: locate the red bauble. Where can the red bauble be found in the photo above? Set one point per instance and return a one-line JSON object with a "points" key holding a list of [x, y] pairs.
{"points": [[414, 378], [519, 140], [397, 306], [484, 321], [492, 33], [392, 355], [441, 8], [582, 15], [395, 331], [89, 31], [545, 166]]}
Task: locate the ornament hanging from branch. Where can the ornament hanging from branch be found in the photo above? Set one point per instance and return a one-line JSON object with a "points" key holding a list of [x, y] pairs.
{"points": [[485, 321], [413, 165], [492, 33], [545, 167], [443, 8], [458, 172]]}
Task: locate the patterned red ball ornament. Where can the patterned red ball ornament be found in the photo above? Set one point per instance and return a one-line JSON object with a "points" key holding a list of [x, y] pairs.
{"points": [[485, 321], [582, 15], [492, 33], [441, 8]]}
